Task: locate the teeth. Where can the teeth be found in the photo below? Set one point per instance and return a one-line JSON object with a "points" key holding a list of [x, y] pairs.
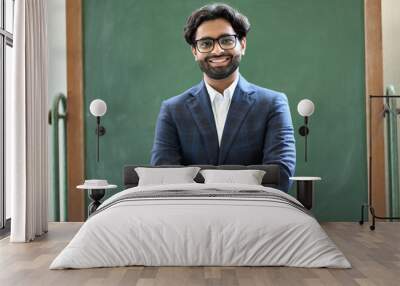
{"points": [[219, 60]]}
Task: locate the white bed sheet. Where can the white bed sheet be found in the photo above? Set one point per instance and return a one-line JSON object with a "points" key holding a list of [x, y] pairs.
{"points": [[202, 232]]}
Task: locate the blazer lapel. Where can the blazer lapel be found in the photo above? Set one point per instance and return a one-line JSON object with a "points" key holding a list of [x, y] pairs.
{"points": [[242, 101], [200, 106]]}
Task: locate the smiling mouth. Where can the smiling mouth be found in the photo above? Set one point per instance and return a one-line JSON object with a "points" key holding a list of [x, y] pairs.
{"points": [[219, 60]]}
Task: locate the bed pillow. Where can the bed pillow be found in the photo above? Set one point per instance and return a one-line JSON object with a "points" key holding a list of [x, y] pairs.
{"points": [[163, 176], [248, 177]]}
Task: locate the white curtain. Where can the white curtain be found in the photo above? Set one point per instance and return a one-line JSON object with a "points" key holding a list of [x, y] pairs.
{"points": [[28, 157]]}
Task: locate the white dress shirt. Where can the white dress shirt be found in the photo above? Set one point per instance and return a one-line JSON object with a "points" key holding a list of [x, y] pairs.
{"points": [[220, 105]]}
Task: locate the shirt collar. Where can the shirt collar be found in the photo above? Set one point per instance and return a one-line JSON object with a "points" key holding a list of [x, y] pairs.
{"points": [[227, 92]]}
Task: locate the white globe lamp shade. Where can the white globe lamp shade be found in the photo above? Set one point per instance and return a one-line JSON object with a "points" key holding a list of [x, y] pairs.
{"points": [[305, 107], [98, 107]]}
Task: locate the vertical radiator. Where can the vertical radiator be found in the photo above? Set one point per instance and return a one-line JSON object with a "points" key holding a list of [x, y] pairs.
{"points": [[392, 112], [58, 165]]}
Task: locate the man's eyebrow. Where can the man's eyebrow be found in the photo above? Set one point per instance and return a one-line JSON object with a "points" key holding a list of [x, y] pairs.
{"points": [[210, 38]]}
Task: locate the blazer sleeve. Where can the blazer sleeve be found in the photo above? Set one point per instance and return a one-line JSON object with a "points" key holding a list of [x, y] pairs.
{"points": [[166, 147], [279, 143]]}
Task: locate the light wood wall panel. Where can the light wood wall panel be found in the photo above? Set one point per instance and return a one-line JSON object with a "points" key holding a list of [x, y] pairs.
{"points": [[374, 86], [75, 132]]}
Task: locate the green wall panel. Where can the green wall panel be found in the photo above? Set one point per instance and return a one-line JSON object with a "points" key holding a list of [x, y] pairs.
{"points": [[135, 57]]}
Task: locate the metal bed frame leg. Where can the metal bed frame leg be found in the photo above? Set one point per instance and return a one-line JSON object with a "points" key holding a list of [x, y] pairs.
{"points": [[373, 215], [372, 210]]}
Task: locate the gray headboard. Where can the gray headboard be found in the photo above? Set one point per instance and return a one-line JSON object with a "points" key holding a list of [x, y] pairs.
{"points": [[271, 177]]}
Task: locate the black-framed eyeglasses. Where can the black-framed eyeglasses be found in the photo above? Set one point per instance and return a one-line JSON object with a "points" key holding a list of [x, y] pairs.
{"points": [[206, 45]]}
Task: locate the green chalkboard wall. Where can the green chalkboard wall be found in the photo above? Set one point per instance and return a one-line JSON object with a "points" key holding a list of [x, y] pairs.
{"points": [[135, 57]]}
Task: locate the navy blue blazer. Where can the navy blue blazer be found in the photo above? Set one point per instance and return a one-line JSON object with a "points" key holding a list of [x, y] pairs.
{"points": [[258, 130]]}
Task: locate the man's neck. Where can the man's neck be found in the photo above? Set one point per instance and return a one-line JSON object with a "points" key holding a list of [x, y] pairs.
{"points": [[221, 84]]}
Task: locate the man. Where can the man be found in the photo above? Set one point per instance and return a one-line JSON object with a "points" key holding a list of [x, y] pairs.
{"points": [[224, 120]]}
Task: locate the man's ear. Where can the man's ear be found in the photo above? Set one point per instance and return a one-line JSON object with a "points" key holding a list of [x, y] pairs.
{"points": [[194, 52], [243, 45]]}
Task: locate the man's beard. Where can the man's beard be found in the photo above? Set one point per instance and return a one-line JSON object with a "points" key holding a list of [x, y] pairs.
{"points": [[220, 72]]}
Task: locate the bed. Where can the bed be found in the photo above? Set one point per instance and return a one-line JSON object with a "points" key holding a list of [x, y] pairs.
{"points": [[201, 224]]}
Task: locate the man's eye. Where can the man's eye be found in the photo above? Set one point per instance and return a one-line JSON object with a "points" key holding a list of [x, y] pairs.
{"points": [[205, 44], [226, 41]]}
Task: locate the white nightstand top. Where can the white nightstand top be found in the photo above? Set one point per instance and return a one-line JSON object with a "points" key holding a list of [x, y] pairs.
{"points": [[83, 187], [96, 184], [305, 178]]}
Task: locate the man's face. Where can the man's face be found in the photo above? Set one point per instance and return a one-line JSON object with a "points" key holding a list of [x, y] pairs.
{"points": [[218, 63]]}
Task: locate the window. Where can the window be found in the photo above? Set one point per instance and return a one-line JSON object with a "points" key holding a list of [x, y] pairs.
{"points": [[6, 61]]}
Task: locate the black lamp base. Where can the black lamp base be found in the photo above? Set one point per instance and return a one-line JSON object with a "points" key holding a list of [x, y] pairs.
{"points": [[303, 130], [100, 131]]}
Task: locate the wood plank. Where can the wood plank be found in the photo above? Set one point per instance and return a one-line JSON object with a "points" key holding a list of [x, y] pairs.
{"points": [[75, 111], [374, 86]]}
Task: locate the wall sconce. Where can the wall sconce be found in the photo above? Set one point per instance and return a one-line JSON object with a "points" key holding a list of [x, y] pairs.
{"points": [[98, 108], [305, 108]]}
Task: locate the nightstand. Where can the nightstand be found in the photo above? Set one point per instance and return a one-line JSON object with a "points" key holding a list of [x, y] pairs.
{"points": [[97, 190], [305, 186]]}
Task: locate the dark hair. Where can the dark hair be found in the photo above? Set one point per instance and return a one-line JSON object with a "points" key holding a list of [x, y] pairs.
{"points": [[239, 22]]}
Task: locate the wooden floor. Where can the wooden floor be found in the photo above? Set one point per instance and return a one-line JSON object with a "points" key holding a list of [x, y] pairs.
{"points": [[375, 256]]}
